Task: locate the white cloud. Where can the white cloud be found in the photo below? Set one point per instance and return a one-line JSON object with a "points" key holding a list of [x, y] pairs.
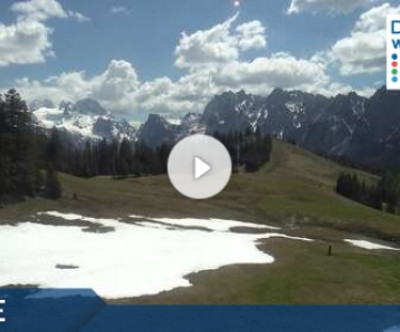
{"points": [[27, 41], [280, 70], [331, 6], [361, 53], [114, 87], [212, 59], [188, 94], [220, 44], [364, 50], [375, 19], [120, 91], [78, 16], [42, 10], [24, 42], [119, 10], [251, 36], [216, 45]]}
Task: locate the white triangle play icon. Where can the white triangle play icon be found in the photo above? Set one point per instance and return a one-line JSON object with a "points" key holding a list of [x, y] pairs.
{"points": [[200, 167]]}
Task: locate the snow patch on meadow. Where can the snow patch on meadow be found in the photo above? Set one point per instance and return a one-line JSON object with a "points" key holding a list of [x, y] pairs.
{"points": [[140, 257], [209, 224], [369, 245]]}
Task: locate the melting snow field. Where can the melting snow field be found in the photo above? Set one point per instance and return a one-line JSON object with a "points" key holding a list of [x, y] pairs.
{"points": [[142, 257], [370, 245]]}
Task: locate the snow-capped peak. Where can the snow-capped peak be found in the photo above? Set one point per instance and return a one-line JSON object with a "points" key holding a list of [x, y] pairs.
{"points": [[85, 119]]}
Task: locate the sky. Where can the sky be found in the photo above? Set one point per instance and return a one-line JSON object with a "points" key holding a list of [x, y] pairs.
{"points": [[172, 56]]}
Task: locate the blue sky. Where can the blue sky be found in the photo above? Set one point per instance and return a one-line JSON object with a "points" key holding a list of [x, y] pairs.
{"points": [[125, 53]]}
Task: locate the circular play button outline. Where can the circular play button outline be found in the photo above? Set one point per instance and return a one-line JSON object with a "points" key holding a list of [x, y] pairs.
{"points": [[199, 167]]}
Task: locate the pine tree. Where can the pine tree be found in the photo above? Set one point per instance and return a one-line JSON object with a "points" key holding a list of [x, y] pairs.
{"points": [[53, 188], [54, 148], [17, 144]]}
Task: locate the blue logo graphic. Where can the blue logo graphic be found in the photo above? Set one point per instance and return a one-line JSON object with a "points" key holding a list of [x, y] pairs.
{"points": [[396, 27], [396, 43], [51, 310]]}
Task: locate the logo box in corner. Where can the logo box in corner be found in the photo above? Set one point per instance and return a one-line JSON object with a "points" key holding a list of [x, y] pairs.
{"points": [[393, 52]]}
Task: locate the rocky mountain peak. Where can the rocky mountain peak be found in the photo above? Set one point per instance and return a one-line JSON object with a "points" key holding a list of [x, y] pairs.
{"points": [[89, 106]]}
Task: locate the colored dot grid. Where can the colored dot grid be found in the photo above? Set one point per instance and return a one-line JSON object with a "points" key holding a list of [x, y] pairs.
{"points": [[395, 70]]}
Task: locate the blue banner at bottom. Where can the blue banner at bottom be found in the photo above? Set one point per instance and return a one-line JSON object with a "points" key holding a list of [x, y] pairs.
{"points": [[39, 310]]}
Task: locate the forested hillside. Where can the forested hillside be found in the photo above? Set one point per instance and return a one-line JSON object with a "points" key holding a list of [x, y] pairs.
{"points": [[383, 195]]}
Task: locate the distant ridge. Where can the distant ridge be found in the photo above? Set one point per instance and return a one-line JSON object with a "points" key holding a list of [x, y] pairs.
{"points": [[365, 130]]}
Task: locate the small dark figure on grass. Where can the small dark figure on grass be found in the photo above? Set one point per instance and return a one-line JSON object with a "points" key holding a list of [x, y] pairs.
{"points": [[330, 250]]}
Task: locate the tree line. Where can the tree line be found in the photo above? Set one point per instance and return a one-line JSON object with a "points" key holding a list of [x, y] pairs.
{"points": [[384, 195], [103, 157], [122, 159], [249, 150]]}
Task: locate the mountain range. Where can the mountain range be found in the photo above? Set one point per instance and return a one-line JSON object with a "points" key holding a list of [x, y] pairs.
{"points": [[365, 130], [319, 123]]}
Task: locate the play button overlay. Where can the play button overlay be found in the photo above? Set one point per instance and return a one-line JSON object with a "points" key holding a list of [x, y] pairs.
{"points": [[199, 167]]}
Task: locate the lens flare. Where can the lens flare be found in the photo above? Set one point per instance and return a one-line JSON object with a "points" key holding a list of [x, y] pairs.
{"points": [[237, 3]]}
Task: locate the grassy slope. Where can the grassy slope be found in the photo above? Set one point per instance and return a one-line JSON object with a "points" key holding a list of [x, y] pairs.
{"points": [[295, 191]]}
